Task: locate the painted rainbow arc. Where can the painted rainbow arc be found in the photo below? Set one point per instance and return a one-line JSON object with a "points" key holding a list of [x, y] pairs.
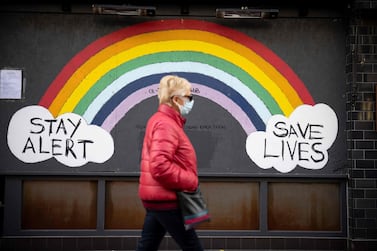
{"points": [[117, 71]]}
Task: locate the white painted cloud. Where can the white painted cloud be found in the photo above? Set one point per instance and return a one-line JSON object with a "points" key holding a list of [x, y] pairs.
{"points": [[302, 139], [34, 135]]}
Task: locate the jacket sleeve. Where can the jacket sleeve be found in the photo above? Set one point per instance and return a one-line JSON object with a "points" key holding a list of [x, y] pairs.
{"points": [[163, 147]]}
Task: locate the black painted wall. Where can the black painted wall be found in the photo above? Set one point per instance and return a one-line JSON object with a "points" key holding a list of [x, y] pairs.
{"points": [[42, 43]]}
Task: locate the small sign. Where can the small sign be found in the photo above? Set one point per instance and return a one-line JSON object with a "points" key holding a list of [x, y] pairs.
{"points": [[10, 84]]}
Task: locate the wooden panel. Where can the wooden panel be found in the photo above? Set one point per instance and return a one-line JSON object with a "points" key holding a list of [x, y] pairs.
{"points": [[304, 206], [59, 204], [123, 209], [232, 205]]}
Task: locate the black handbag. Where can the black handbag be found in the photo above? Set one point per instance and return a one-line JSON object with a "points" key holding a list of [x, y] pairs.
{"points": [[193, 207]]}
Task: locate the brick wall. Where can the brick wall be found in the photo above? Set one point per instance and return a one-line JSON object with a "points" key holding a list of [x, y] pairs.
{"points": [[361, 70]]}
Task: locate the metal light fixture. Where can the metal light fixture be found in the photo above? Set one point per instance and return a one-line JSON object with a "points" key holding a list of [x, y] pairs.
{"points": [[124, 10], [245, 12]]}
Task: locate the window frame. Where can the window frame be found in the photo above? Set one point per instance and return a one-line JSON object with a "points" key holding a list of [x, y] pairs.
{"points": [[13, 206]]}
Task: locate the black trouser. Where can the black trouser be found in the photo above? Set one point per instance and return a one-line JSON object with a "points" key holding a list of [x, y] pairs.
{"points": [[158, 222]]}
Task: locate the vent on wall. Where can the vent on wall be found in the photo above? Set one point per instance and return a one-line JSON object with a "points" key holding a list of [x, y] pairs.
{"points": [[245, 12], [124, 10]]}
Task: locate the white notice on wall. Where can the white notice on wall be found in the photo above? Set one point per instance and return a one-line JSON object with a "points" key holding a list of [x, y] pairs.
{"points": [[10, 84]]}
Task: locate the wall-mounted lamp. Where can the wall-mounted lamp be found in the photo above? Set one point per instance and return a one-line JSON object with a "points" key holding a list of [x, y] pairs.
{"points": [[245, 12], [124, 10]]}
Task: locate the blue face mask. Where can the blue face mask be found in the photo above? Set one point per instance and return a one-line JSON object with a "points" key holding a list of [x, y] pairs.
{"points": [[186, 108]]}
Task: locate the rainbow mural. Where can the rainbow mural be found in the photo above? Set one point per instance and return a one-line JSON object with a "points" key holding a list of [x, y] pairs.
{"points": [[116, 72]]}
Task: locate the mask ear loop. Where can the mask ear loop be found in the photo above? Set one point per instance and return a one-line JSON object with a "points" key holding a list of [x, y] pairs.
{"points": [[173, 102]]}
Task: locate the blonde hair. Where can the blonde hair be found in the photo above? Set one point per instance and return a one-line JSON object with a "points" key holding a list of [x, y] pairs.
{"points": [[171, 85]]}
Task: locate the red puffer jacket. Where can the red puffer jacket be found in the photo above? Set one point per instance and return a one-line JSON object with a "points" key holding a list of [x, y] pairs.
{"points": [[168, 160]]}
